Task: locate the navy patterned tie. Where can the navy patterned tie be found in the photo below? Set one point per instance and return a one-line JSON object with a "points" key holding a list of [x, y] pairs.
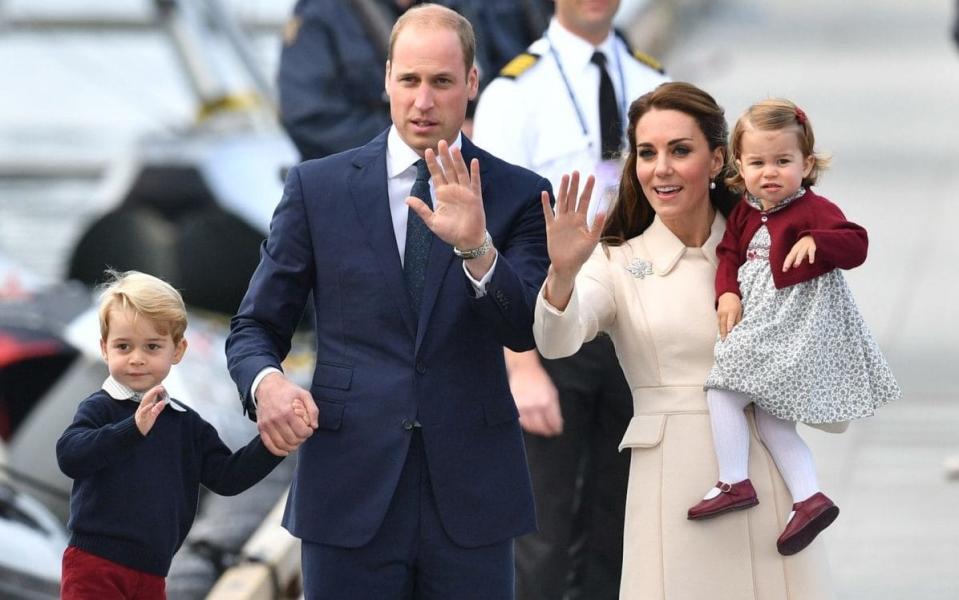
{"points": [[418, 238]]}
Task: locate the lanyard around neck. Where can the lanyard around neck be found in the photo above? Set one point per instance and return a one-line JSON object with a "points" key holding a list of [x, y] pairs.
{"points": [[572, 95]]}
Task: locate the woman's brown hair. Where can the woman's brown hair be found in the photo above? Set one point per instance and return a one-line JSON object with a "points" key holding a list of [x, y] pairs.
{"points": [[632, 212]]}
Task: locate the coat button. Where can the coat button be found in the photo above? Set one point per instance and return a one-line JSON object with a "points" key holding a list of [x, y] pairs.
{"points": [[420, 367], [407, 424]]}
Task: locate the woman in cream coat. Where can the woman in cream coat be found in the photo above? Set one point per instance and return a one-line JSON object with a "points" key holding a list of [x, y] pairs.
{"points": [[650, 286]]}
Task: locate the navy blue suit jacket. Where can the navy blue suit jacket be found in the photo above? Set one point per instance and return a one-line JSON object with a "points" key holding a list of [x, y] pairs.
{"points": [[379, 366]]}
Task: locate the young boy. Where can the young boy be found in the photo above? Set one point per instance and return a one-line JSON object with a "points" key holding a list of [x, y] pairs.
{"points": [[136, 467]]}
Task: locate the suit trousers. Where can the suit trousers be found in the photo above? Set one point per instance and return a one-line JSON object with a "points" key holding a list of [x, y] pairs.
{"points": [[410, 556], [579, 483]]}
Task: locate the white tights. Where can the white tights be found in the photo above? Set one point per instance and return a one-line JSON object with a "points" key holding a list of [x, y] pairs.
{"points": [[731, 440]]}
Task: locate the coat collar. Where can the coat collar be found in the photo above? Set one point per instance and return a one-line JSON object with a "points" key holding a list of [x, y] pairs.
{"points": [[665, 249]]}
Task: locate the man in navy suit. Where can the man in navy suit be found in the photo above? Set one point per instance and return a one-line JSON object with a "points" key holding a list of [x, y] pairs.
{"points": [[411, 481]]}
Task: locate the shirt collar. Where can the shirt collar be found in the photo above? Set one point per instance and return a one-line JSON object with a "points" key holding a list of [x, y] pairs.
{"points": [[118, 391], [574, 51], [665, 249], [400, 157]]}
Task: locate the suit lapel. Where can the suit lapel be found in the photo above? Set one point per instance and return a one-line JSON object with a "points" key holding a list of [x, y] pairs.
{"points": [[367, 184]]}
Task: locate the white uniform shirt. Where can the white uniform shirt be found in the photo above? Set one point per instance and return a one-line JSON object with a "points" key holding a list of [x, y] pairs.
{"points": [[531, 120]]}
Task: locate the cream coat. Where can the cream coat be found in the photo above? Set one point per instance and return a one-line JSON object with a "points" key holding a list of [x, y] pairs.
{"points": [[655, 299]]}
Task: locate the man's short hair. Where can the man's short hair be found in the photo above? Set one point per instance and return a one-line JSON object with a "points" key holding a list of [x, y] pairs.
{"points": [[437, 16]]}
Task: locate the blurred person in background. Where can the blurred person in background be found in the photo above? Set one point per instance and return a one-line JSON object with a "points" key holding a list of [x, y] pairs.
{"points": [[955, 25], [559, 107], [331, 66]]}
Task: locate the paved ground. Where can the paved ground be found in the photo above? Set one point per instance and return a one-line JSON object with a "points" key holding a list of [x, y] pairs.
{"points": [[880, 82]]}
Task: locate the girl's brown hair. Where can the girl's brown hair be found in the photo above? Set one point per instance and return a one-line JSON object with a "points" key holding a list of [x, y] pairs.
{"points": [[775, 114]]}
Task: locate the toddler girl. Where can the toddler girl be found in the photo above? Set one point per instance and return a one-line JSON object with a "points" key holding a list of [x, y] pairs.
{"points": [[795, 345]]}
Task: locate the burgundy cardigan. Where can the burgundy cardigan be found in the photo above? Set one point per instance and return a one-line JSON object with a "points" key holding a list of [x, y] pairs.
{"points": [[839, 243]]}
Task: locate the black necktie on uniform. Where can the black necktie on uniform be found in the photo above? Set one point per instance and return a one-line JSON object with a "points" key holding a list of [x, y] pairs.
{"points": [[418, 238], [610, 121]]}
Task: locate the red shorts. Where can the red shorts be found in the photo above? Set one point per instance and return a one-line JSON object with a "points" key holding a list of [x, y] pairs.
{"points": [[88, 577]]}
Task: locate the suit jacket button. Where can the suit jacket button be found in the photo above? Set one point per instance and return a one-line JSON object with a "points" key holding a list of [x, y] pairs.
{"points": [[420, 367], [407, 424]]}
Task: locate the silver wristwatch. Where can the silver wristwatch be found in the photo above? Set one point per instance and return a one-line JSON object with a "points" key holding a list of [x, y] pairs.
{"points": [[477, 252]]}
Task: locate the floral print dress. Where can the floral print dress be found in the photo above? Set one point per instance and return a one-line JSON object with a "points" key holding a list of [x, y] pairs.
{"points": [[803, 353]]}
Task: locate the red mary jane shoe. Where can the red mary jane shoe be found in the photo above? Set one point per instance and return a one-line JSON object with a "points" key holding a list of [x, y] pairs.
{"points": [[812, 515], [736, 496]]}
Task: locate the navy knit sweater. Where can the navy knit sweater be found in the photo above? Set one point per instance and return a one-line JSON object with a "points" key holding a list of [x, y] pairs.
{"points": [[134, 497]]}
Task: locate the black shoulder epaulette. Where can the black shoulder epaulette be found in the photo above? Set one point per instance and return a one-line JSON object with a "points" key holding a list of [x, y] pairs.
{"points": [[649, 61], [519, 65]]}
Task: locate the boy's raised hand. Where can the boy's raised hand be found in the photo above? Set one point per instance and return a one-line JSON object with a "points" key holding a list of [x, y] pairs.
{"points": [[730, 312], [151, 405]]}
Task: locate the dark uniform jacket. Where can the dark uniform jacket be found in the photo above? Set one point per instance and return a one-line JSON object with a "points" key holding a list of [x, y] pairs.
{"points": [[332, 66]]}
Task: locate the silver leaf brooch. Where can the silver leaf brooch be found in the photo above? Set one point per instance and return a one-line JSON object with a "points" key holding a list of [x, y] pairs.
{"points": [[640, 268]]}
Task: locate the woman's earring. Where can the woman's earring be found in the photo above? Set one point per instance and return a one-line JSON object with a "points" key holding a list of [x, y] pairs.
{"points": [[712, 185]]}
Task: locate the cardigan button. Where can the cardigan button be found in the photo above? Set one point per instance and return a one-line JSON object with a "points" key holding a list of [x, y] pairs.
{"points": [[764, 219]]}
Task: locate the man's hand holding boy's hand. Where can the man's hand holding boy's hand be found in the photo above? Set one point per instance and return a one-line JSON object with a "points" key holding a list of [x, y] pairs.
{"points": [[286, 414], [151, 405]]}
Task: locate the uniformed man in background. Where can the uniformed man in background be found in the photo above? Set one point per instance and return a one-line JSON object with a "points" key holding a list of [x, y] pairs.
{"points": [[558, 107], [331, 67]]}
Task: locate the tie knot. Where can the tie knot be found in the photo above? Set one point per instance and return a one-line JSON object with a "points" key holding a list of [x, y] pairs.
{"points": [[598, 59], [422, 172]]}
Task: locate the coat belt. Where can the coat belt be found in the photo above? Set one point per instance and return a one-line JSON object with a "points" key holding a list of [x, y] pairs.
{"points": [[664, 400]]}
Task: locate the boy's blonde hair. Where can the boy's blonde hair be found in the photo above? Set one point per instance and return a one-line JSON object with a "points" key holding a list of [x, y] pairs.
{"points": [[772, 115], [146, 296]]}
